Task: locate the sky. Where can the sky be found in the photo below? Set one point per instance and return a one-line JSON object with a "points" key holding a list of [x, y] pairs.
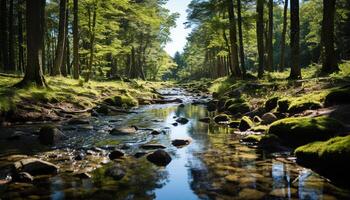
{"points": [[178, 34]]}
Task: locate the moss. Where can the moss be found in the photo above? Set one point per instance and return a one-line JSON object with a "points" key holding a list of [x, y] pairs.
{"points": [[331, 157], [245, 124], [260, 128], [252, 138], [300, 106], [338, 96], [302, 130], [124, 101], [239, 108]]}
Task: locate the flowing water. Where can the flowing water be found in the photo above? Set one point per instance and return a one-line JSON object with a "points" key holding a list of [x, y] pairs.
{"points": [[214, 166]]}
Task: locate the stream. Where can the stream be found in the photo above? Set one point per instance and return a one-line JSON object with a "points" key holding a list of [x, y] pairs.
{"points": [[215, 165]]}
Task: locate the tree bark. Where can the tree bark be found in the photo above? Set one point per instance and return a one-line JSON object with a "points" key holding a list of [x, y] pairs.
{"points": [[269, 64], [233, 40], [4, 36], [240, 35], [260, 36], [65, 60], [61, 39], [75, 41], [283, 39], [12, 62], [295, 72], [20, 36], [34, 72], [329, 64], [92, 43]]}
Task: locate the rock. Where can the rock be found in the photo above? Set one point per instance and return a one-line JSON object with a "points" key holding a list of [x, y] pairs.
{"points": [[212, 105], [80, 156], [159, 158], [283, 105], [76, 121], [182, 105], [331, 157], [116, 154], [268, 118], [180, 142], [205, 120], [123, 131], [297, 131], [233, 124], [83, 175], [238, 108], [155, 132], [117, 172], [182, 120], [338, 96], [250, 194], [24, 177], [257, 119], [49, 135], [140, 154], [125, 101], [271, 103], [222, 118], [252, 138], [175, 124], [300, 106], [102, 109], [35, 167], [153, 146], [245, 124]]}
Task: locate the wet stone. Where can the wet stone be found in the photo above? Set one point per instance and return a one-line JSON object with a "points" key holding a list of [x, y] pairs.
{"points": [[35, 166], [117, 172], [123, 131], [83, 175], [24, 177], [153, 146], [117, 154], [182, 120], [180, 142], [159, 158]]}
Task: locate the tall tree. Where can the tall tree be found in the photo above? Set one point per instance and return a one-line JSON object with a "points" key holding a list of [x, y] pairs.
{"points": [[283, 37], [92, 27], [35, 30], [260, 35], [61, 39], [233, 40], [12, 63], [20, 35], [4, 36], [240, 35], [295, 72], [75, 41], [269, 46], [329, 62]]}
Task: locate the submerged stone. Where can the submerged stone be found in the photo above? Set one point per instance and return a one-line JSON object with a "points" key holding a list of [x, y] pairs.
{"points": [[180, 142], [117, 172], [123, 131], [159, 158]]}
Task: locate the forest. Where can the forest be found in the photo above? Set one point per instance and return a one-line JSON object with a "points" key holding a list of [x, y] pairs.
{"points": [[253, 104]]}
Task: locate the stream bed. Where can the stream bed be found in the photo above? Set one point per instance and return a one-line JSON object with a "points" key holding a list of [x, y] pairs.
{"points": [[215, 165]]}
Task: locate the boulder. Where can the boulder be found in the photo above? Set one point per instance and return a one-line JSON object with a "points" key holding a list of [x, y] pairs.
{"points": [[338, 96], [116, 171], [49, 135], [159, 158], [268, 118], [271, 103], [205, 120], [153, 146], [233, 124], [24, 177], [116, 154], [300, 106], [245, 124], [222, 118], [180, 142], [283, 105], [238, 108], [34, 167], [182, 120], [123, 131], [297, 131]]}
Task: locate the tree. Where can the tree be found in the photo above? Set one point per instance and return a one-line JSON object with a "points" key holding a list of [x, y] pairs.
{"points": [[283, 39], [20, 36], [240, 36], [75, 41], [295, 72], [269, 64], [91, 10], [233, 40], [260, 36], [12, 63], [329, 62], [4, 36], [35, 30], [61, 43]]}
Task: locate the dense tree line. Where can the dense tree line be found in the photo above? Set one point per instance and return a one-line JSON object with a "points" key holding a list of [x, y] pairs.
{"points": [[272, 35], [97, 39]]}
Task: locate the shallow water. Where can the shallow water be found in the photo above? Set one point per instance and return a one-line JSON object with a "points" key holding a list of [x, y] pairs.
{"points": [[214, 166]]}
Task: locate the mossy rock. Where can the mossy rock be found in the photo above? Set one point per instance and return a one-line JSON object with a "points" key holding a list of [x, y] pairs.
{"points": [[252, 138], [234, 124], [302, 130], [233, 101], [283, 105], [221, 118], [300, 106], [245, 124], [271, 103], [331, 157], [125, 101], [239, 108], [260, 128], [338, 96]]}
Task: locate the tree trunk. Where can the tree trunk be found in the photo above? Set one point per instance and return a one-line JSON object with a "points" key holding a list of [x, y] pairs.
{"points": [[20, 36], [295, 72], [65, 60], [329, 64], [75, 41], [4, 36], [269, 64], [233, 40], [260, 35], [61, 40], [283, 39], [12, 62], [34, 72], [240, 35], [92, 43]]}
